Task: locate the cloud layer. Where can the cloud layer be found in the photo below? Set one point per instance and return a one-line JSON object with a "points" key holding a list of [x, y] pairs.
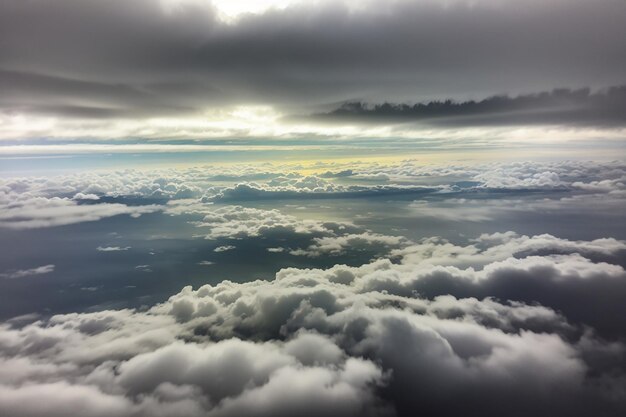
{"points": [[345, 341], [155, 58], [503, 323], [475, 192], [569, 107]]}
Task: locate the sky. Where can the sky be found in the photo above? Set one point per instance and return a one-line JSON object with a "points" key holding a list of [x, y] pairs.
{"points": [[181, 69], [328, 207]]}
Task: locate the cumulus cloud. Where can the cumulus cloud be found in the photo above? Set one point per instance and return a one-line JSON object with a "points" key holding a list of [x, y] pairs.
{"points": [[34, 202], [591, 176], [336, 245], [82, 196], [169, 377], [488, 248], [364, 340], [234, 221], [242, 182], [275, 190], [276, 250], [88, 187], [20, 273]]}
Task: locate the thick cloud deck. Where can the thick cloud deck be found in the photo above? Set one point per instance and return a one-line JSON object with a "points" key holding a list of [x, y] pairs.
{"points": [[344, 341], [166, 57]]}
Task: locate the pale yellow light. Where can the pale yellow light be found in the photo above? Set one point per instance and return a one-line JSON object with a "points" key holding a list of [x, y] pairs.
{"points": [[231, 9]]}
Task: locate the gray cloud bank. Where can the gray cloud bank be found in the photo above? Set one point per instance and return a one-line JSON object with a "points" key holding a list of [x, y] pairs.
{"points": [[343, 341], [562, 106], [120, 59]]}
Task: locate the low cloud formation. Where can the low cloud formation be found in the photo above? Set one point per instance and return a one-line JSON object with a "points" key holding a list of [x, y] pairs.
{"points": [[224, 248], [235, 222], [367, 340], [82, 196], [453, 192], [21, 273], [557, 107], [38, 212], [249, 182], [112, 248], [596, 176], [252, 191], [337, 245], [31, 202]]}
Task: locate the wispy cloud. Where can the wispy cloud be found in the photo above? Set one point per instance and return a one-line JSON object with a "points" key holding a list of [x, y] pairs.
{"points": [[112, 248], [21, 273], [224, 248]]}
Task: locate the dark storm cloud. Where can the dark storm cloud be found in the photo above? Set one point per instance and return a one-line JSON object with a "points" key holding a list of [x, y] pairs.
{"points": [[562, 106], [132, 59]]}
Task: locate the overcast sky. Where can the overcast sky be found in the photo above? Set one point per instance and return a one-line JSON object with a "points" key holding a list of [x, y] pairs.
{"points": [[77, 61]]}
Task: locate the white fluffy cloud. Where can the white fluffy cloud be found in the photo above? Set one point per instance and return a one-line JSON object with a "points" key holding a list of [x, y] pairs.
{"points": [[341, 341], [323, 180], [504, 322], [489, 248], [237, 221], [336, 245], [33, 202]]}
